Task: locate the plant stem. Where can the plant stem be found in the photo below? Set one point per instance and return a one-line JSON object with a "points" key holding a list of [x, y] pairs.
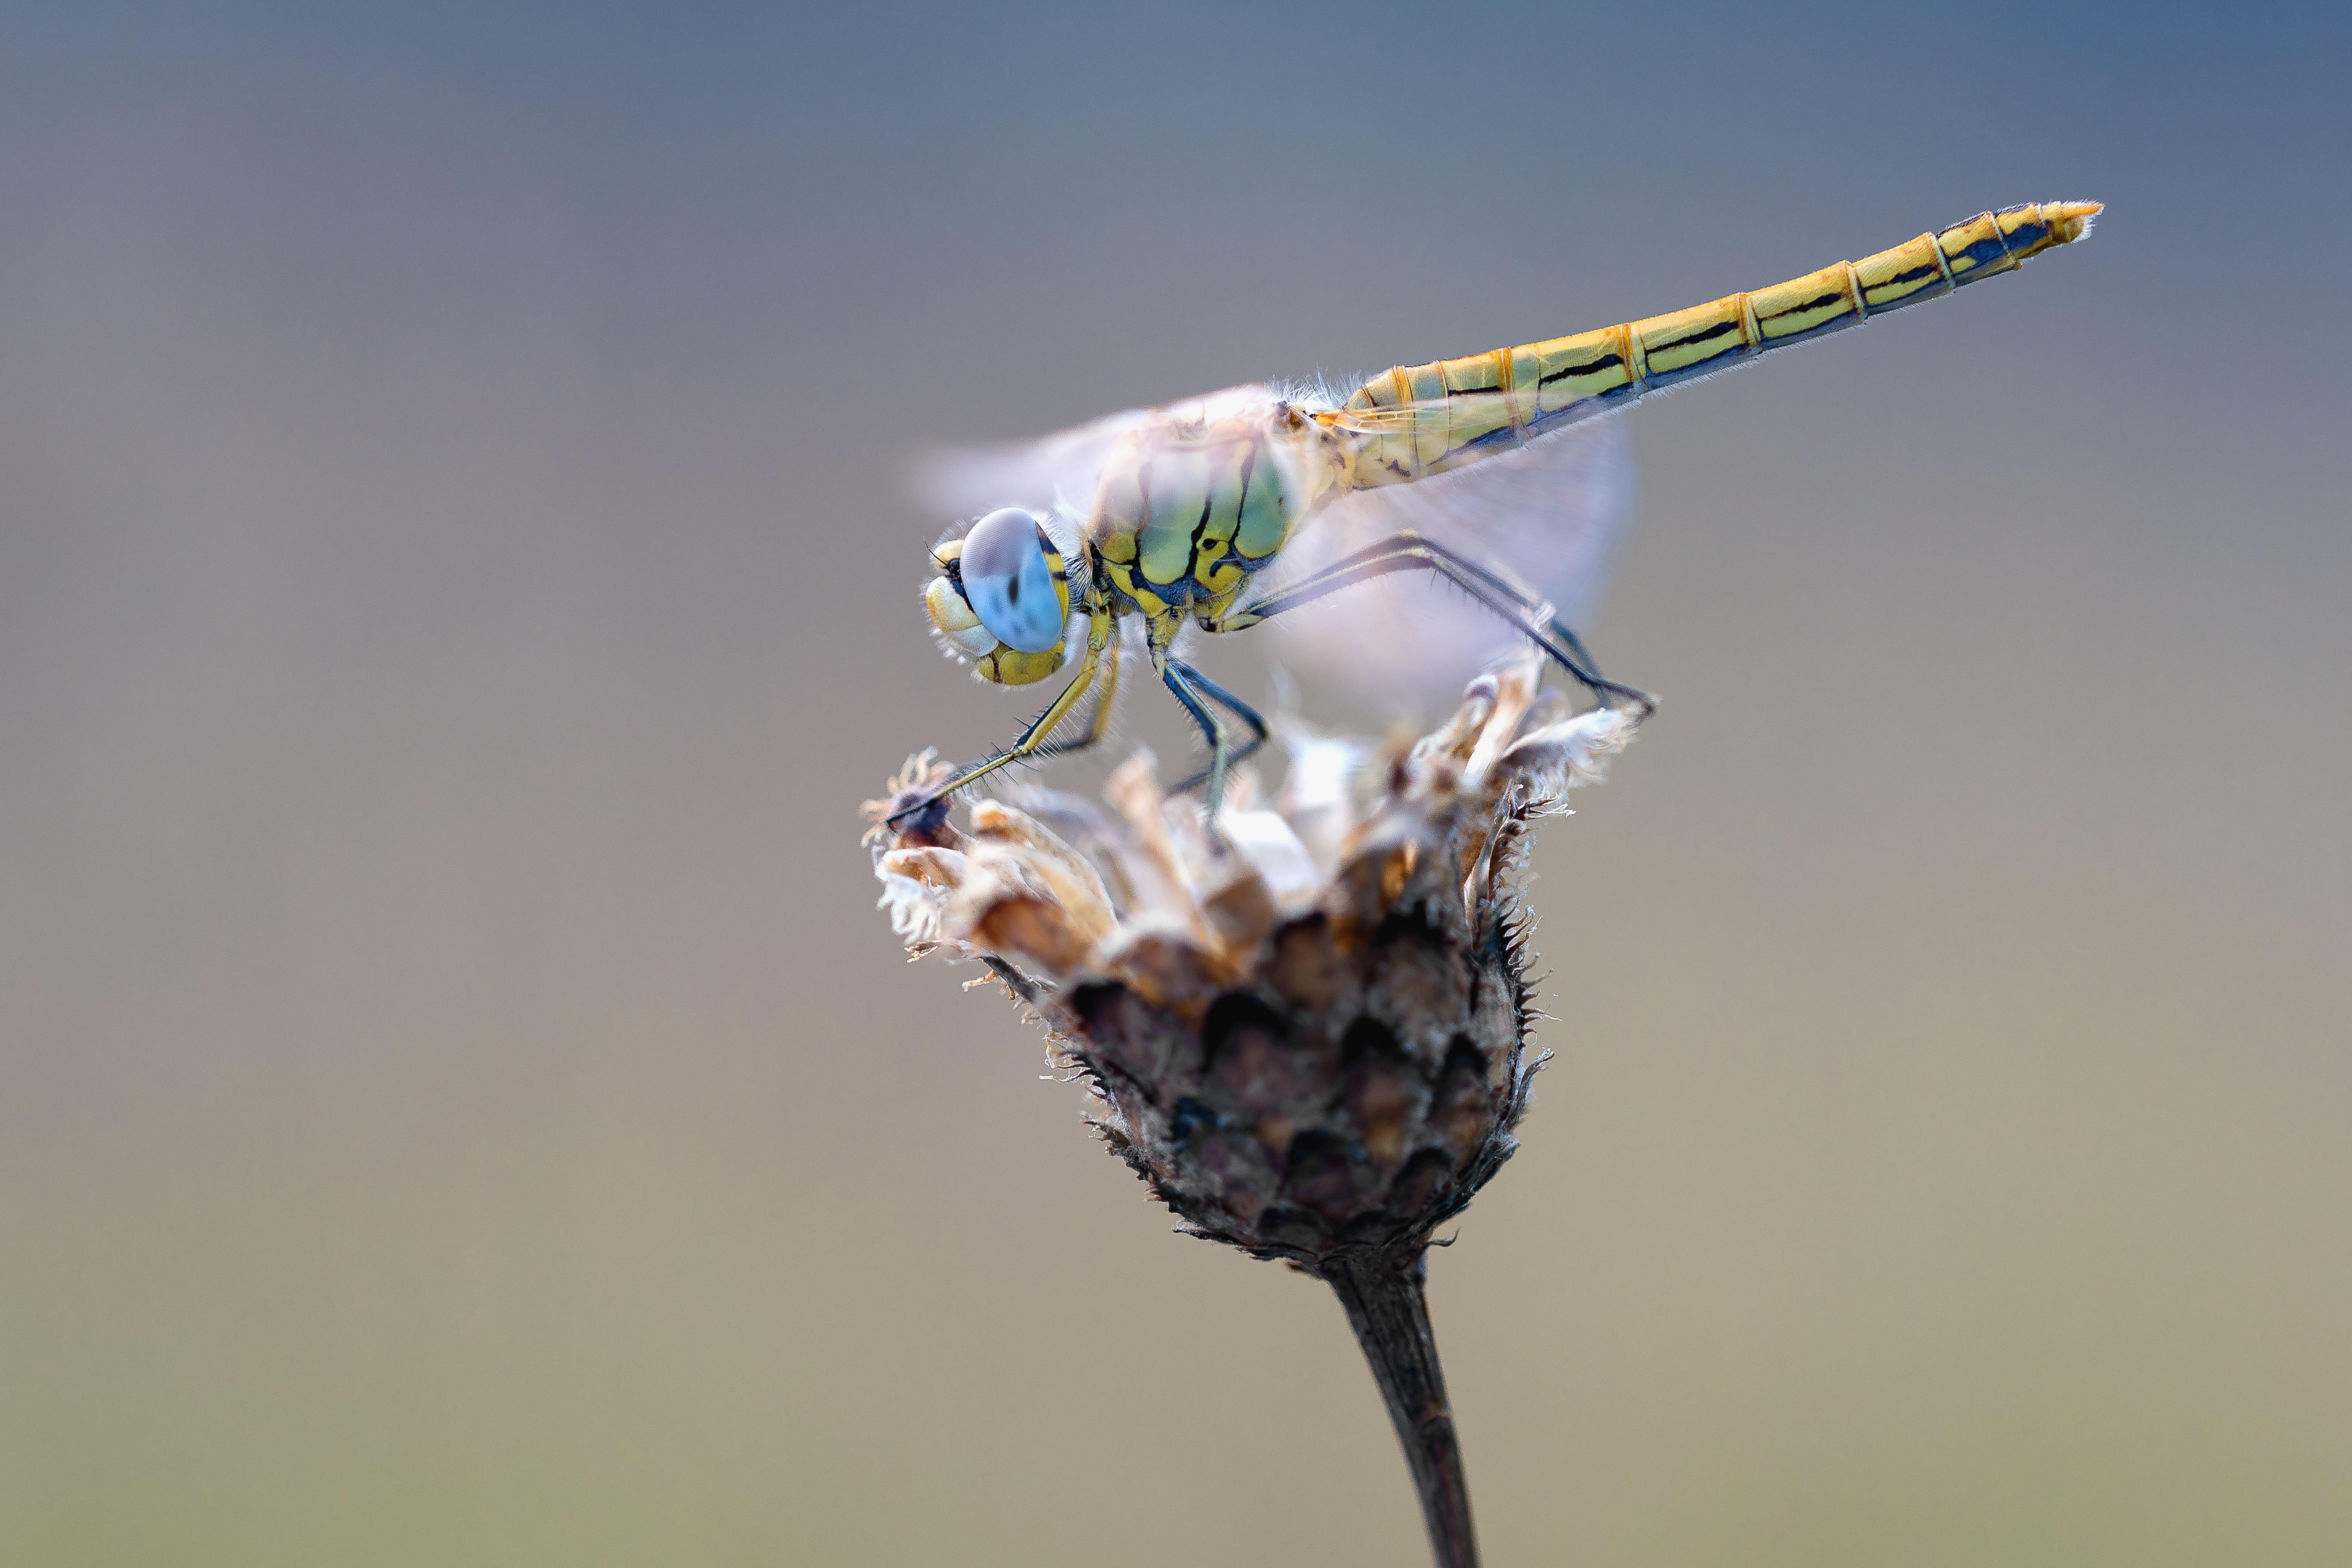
{"points": [[1383, 1292]]}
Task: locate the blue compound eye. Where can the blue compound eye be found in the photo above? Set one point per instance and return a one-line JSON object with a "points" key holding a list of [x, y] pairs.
{"points": [[1008, 583]]}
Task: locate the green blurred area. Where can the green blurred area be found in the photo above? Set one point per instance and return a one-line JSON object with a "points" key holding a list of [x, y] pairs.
{"points": [[458, 1105]]}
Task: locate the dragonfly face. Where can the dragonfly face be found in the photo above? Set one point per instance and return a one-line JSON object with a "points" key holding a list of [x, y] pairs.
{"points": [[1002, 597]]}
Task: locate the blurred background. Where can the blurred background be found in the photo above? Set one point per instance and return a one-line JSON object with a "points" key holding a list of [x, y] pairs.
{"points": [[459, 1105]]}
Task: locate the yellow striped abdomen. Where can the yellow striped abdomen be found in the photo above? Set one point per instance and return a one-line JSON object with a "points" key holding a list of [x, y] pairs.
{"points": [[1452, 411]]}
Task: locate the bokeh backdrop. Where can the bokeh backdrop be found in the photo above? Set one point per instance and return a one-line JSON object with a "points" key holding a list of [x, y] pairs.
{"points": [[458, 1104]]}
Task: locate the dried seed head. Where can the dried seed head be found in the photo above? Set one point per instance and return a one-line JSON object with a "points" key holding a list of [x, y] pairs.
{"points": [[1303, 1026]]}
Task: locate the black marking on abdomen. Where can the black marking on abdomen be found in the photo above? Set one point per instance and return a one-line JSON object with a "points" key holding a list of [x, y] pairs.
{"points": [[1815, 303], [1716, 331], [1983, 252], [1590, 367]]}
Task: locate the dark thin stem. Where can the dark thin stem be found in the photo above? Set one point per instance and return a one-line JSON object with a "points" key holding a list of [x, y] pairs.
{"points": [[1387, 1310]]}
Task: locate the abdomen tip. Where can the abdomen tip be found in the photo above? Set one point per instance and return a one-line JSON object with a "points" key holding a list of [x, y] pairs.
{"points": [[2072, 220]]}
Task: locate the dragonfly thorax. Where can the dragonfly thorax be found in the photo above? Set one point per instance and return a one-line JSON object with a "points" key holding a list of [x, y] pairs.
{"points": [[1187, 509]]}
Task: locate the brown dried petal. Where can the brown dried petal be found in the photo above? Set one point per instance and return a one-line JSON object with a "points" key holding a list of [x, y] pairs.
{"points": [[1055, 870], [1154, 868], [1164, 965], [998, 917]]}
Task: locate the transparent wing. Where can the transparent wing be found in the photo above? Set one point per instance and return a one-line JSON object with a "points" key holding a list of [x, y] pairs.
{"points": [[1057, 469], [1550, 514]]}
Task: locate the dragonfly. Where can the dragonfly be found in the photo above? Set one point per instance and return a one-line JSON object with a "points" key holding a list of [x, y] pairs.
{"points": [[1479, 473]]}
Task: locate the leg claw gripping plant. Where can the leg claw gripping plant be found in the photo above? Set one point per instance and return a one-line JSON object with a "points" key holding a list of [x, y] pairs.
{"points": [[1304, 1028]]}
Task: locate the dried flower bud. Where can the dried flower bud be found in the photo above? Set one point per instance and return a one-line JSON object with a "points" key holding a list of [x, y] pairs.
{"points": [[1303, 1026]]}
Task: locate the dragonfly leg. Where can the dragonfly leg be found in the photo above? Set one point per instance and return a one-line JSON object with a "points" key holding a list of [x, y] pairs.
{"points": [[1409, 551], [1574, 644], [1032, 740], [1222, 757], [1099, 718]]}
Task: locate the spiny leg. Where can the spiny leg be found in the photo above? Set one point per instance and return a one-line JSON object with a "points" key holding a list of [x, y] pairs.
{"points": [[1566, 635], [1032, 740], [1099, 718], [1409, 551], [1171, 675], [1220, 762]]}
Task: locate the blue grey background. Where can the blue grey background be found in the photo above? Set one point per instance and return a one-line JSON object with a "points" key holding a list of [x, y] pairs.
{"points": [[458, 1105]]}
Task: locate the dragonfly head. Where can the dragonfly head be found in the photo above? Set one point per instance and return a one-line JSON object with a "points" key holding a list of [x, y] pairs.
{"points": [[1001, 597]]}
